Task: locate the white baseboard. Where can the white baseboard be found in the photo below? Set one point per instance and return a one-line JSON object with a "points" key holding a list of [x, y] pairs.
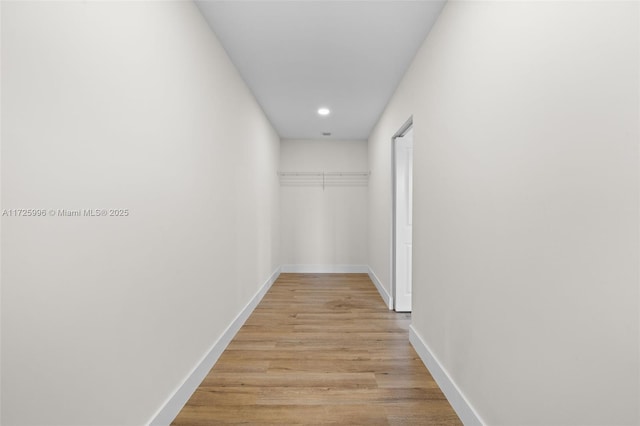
{"points": [[383, 292], [170, 409], [456, 398], [326, 269]]}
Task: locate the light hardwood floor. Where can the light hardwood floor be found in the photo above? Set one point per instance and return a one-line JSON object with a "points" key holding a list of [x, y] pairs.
{"points": [[320, 348]]}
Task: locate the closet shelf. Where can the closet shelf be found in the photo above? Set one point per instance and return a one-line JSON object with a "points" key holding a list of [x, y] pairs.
{"points": [[324, 179]]}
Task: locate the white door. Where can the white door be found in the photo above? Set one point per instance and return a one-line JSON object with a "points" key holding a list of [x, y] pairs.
{"points": [[404, 219]]}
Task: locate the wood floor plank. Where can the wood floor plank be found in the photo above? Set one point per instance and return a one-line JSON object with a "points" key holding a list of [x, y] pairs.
{"points": [[291, 379], [283, 414], [320, 349]]}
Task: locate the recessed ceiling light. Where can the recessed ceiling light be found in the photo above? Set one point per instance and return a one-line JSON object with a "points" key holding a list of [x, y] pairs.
{"points": [[324, 111]]}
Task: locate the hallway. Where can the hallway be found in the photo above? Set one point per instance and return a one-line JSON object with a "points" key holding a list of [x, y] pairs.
{"points": [[165, 165], [320, 348]]}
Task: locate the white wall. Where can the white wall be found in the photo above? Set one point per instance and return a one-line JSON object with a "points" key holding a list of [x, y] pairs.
{"points": [[129, 105], [526, 207], [324, 230]]}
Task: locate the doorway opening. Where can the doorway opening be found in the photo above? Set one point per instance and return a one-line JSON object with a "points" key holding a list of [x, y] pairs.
{"points": [[402, 251]]}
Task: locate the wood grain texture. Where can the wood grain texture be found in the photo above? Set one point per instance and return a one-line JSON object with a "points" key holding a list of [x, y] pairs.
{"points": [[320, 349]]}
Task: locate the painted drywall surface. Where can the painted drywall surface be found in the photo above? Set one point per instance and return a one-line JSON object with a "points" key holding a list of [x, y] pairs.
{"points": [[380, 198], [124, 105], [323, 226], [525, 206]]}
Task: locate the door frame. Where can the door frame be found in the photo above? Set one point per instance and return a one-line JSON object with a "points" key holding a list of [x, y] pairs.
{"points": [[401, 132]]}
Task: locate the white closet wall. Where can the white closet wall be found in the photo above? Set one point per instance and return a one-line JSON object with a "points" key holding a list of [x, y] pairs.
{"points": [[324, 227]]}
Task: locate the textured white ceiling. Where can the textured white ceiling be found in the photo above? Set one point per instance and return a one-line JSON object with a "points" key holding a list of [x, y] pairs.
{"points": [[297, 56]]}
